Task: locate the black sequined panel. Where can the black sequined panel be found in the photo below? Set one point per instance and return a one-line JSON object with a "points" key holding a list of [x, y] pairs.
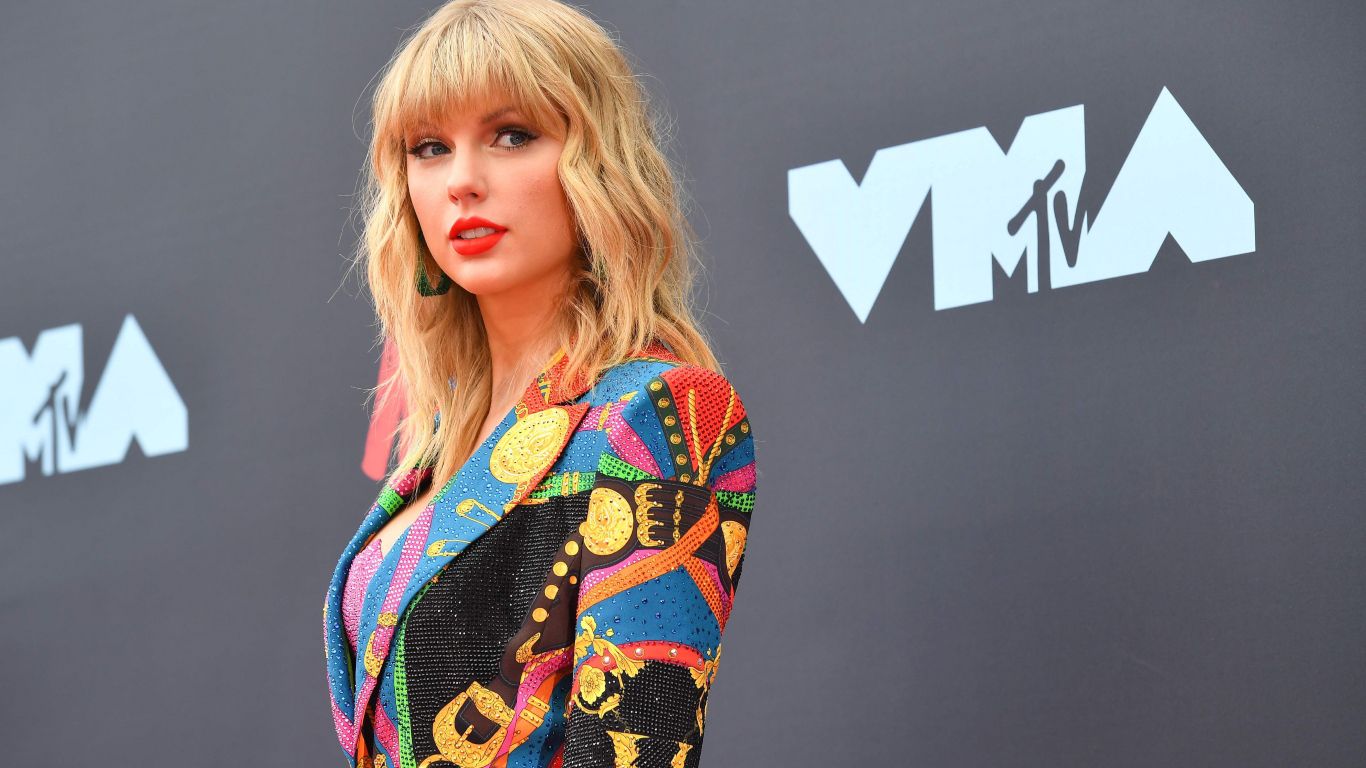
{"points": [[655, 719], [458, 630]]}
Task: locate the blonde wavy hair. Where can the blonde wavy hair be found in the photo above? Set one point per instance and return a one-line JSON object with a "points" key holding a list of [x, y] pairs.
{"points": [[636, 263]]}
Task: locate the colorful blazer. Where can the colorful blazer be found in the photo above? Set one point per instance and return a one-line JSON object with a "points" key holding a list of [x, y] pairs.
{"points": [[562, 601]]}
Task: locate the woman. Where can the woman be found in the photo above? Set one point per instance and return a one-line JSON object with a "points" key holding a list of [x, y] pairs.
{"points": [[546, 574]]}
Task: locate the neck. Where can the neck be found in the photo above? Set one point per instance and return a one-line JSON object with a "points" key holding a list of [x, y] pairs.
{"points": [[523, 331]]}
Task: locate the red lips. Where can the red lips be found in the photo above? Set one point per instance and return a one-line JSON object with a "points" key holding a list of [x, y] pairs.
{"points": [[475, 245]]}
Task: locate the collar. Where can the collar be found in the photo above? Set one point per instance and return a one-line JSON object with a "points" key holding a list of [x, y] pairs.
{"points": [[552, 385]]}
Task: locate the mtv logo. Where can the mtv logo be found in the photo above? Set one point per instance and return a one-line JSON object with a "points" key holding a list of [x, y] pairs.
{"points": [[40, 395], [1171, 183]]}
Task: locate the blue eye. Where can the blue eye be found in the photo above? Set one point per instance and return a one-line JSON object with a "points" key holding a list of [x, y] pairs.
{"points": [[416, 151], [519, 137]]}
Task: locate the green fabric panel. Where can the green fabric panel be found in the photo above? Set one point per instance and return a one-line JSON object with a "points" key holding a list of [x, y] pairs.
{"points": [[405, 719], [389, 499], [611, 465], [743, 501]]}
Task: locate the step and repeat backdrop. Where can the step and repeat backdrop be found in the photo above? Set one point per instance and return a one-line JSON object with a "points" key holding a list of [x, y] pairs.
{"points": [[1049, 318]]}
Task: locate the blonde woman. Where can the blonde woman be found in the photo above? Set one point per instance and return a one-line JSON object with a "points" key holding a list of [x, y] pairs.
{"points": [[546, 575]]}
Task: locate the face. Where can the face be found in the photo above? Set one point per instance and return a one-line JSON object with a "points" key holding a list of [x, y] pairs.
{"points": [[486, 190]]}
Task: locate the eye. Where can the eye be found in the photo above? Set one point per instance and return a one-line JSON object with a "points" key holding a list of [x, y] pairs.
{"points": [[417, 149], [516, 138]]}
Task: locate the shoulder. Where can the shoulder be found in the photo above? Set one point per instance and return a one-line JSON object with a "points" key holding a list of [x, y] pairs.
{"points": [[690, 421], [670, 385], [645, 374], [696, 392]]}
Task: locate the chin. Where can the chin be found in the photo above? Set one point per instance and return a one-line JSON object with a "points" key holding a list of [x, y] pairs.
{"points": [[479, 277], [483, 285]]}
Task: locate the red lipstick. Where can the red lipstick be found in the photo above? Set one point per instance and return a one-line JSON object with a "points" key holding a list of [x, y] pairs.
{"points": [[473, 246]]}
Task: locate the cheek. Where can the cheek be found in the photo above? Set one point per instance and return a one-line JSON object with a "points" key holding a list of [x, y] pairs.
{"points": [[550, 199], [426, 204], [542, 212]]}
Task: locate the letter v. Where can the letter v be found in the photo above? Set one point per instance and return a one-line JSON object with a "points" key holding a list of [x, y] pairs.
{"points": [[857, 230]]}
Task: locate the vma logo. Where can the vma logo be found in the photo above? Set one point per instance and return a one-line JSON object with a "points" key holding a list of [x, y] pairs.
{"points": [[1020, 205], [40, 394]]}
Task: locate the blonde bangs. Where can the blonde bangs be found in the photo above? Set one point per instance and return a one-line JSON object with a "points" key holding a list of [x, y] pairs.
{"points": [[471, 60]]}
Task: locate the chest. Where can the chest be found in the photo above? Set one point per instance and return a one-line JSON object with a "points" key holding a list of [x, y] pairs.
{"points": [[393, 529]]}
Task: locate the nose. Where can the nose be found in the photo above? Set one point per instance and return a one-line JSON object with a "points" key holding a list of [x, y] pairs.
{"points": [[465, 175]]}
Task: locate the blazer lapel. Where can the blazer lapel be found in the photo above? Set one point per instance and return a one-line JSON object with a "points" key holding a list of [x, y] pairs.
{"points": [[495, 479], [339, 658]]}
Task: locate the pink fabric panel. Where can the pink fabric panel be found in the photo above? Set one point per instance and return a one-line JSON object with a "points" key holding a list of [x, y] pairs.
{"points": [[741, 480], [362, 570], [628, 446], [385, 731]]}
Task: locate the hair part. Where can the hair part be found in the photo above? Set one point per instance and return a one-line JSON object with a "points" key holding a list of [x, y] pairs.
{"points": [[634, 285]]}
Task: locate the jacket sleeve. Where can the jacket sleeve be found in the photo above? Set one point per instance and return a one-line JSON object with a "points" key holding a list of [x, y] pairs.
{"points": [[663, 544]]}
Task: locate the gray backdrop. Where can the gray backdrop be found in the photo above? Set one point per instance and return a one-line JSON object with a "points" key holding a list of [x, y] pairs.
{"points": [[1111, 524]]}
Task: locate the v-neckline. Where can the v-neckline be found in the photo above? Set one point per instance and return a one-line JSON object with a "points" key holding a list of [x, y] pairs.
{"points": [[499, 430], [424, 486]]}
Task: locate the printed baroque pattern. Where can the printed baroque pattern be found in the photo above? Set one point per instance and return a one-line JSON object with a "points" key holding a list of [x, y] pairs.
{"points": [[663, 543], [562, 601]]}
